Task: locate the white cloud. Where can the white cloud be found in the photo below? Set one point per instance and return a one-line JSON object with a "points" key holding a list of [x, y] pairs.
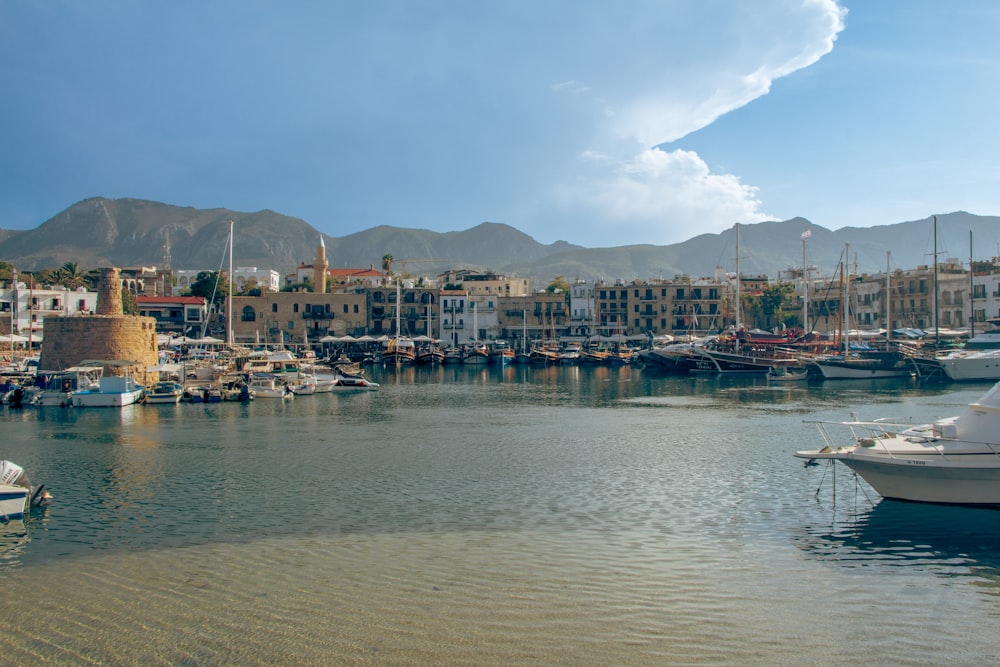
{"points": [[672, 194], [669, 195]]}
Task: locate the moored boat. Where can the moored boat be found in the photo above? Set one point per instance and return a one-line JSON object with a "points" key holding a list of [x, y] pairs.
{"points": [[165, 392], [112, 392], [955, 460]]}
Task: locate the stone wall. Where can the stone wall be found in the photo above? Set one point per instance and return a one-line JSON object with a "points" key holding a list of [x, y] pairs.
{"points": [[70, 340]]}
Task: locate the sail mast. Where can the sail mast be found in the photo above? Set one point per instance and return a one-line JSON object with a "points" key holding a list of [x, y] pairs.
{"points": [[229, 314]]}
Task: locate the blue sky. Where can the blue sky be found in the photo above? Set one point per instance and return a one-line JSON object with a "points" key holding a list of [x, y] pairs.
{"points": [[600, 123]]}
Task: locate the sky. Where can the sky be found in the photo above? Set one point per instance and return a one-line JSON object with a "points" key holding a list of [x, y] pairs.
{"points": [[599, 123]]}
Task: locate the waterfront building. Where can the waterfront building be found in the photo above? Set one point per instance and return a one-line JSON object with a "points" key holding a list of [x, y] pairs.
{"points": [[581, 308], [539, 316], [986, 290], [147, 280], [244, 278], [24, 306], [453, 304], [175, 315], [287, 318], [484, 283]]}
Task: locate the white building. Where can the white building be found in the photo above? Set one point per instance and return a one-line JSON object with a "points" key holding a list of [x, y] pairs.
{"points": [[24, 307], [581, 308], [266, 279]]}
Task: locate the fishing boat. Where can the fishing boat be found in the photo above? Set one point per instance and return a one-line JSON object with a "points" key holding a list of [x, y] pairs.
{"points": [[115, 391], [166, 392], [955, 460]]}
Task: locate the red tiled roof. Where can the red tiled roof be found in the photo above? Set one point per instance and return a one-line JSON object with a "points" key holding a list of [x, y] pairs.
{"points": [[176, 300]]}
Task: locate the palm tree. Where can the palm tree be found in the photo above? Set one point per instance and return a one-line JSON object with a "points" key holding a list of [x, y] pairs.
{"points": [[387, 264], [70, 275]]}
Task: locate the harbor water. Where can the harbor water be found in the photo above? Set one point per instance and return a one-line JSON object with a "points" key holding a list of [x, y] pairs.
{"points": [[479, 516]]}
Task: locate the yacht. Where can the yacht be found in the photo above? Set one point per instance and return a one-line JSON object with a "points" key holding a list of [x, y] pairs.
{"points": [[955, 460]]}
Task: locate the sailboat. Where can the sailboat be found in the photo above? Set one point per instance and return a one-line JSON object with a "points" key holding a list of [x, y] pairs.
{"points": [[864, 363]]}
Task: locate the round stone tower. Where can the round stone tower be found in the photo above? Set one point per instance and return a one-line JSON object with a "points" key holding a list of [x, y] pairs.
{"points": [[109, 293], [107, 335]]}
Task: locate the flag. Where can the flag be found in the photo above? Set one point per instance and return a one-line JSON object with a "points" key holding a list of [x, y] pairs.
{"points": [[806, 234]]}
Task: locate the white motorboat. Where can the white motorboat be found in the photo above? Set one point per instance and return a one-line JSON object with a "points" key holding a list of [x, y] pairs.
{"points": [[954, 460], [264, 385], [165, 393], [971, 365], [353, 383], [112, 392]]}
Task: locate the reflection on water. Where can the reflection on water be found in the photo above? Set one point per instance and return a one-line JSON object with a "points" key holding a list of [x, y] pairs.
{"points": [[485, 516], [937, 538]]}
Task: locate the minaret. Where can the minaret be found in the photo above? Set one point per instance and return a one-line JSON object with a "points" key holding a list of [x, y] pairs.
{"points": [[320, 265]]}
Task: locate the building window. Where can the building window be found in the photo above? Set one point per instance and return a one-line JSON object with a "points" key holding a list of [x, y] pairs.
{"points": [[274, 307], [248, 315]]}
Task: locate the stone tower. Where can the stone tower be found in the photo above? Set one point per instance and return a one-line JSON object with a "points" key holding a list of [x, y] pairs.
{"points": [[107, 335], [320, 265], [109, 293]]}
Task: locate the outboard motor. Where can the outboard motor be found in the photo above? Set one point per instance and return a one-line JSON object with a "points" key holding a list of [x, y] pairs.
{"points": [[13, 474]]}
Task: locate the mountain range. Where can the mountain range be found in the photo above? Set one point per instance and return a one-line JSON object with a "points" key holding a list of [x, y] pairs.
{"points": [[99, 232]]}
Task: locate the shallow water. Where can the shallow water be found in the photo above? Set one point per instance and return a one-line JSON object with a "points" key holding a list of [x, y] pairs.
{"points": [[471, 516]]}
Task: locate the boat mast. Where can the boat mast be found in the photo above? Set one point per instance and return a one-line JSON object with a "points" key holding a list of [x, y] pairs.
{"points": [[972, 304], [937, 334], [805, 285], [229, 314], [845, 267], [888, 300], [738, 276]]}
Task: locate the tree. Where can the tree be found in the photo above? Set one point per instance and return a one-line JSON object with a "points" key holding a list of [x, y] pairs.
{"points": [[558, 284], [766, 309], [387, 264], [71, 276], [213, 287]]}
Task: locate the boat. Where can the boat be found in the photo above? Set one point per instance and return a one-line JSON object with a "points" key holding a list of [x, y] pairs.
{"points": [[788, 373], [17, 494], [399, 351], [955, 460], [55, 387], [452, 355], [476, 355], [112, 392], [265, 385], [346, 383], [971, 365], [865, 365], [165, 392]]}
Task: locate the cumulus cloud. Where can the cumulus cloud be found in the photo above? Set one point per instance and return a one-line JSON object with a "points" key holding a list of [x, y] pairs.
{"points": [[631, 177], [669, 195]]}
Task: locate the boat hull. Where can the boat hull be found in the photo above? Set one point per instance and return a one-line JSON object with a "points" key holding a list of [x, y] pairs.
{"points": [[972, 479], [973, 367], [101, 399], [13, 502], [848, 371]]}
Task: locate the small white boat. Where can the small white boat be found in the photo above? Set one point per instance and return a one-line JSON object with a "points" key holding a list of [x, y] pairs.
{"points": [[165, 393], [112, 392], [353, 383], [268, 386], [954, 460]]}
